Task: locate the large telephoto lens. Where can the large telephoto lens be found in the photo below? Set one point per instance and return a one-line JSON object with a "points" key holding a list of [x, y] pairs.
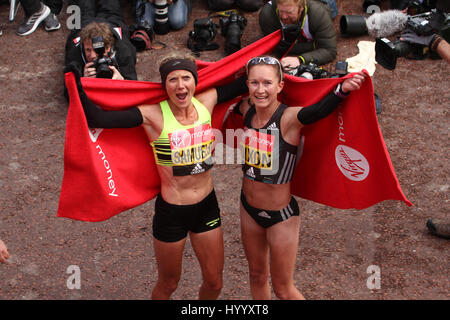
{"points": [[161, 17]]}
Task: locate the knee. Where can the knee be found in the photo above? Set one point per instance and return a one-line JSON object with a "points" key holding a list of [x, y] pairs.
{"points": [[169, 284], [213, 284], [281, 291], [177, 22], [259, 277], [178, 17]]}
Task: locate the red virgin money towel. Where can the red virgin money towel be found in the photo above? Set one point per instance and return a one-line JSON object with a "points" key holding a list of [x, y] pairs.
{"points": [[107, 171], [344, 162]]}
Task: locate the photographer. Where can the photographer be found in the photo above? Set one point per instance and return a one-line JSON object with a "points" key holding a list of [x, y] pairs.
{"points": [[434, 42], [101, 22], [306, 26], [425, 34], [174, 14], [246, 5]]}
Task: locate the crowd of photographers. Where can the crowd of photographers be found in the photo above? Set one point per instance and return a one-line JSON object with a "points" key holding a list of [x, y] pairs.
{"points": [[106, 47]]}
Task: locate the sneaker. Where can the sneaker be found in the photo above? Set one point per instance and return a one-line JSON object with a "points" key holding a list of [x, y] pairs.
{"points": [[31, 23], [439, 228], [52, 22]]}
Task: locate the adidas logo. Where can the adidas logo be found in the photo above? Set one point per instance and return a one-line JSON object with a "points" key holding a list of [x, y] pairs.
{"points": [[197, 169], [273, 125], [250, 172], [264, 215]]}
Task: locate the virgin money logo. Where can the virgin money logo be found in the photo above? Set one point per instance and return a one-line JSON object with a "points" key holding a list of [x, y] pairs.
{"points": [[94, 133], [180, 139], [351, 163]]}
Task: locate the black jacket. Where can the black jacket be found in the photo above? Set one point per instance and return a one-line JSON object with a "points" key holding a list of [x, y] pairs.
{"points": [[125, 54]]}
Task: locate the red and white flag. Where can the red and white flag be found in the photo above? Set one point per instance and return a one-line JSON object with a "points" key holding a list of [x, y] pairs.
{"points": [[344, 161]]}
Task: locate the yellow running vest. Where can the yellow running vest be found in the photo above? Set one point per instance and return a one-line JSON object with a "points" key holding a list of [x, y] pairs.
{"points": [[188, 149]]}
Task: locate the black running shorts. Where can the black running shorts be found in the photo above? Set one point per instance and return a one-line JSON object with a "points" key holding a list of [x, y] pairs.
{"points": [[172, 222], [267, 218]]}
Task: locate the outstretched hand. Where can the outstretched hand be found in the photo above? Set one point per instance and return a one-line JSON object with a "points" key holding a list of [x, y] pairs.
{"points": [[3, 252], [354, 83]]}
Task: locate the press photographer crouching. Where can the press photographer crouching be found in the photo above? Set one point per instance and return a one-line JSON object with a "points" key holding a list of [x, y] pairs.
{"points": [[308, 33], [434, 42], [102, 48], [425, 35], [97, 43]]}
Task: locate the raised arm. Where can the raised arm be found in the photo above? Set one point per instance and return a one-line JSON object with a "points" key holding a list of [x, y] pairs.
{"points": [[331, 101], [99, 118], [294, 118]]}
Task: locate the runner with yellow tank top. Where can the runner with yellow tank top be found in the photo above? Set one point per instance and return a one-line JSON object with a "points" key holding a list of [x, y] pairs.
{"points": [[179, 130], [188, 149]]}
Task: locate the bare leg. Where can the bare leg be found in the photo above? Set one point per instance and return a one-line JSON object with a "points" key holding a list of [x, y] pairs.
{"points": [[257, 253], [169, 257], [208, 247], [283, 242]]}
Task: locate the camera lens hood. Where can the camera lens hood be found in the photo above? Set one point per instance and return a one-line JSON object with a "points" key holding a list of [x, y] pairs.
{"points": [[353, 25]]}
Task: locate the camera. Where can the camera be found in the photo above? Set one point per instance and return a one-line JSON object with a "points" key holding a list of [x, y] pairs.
{"points": [[161, 17], [141, 37], [313, 71], [340, 69], [308, 71], [387, 52], [232, 28], [200, 39], [420, 24], [103, 62]]}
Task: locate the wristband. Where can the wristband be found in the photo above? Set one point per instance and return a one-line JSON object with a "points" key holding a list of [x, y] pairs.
{"points": [[338, 91], [435, 42]]}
